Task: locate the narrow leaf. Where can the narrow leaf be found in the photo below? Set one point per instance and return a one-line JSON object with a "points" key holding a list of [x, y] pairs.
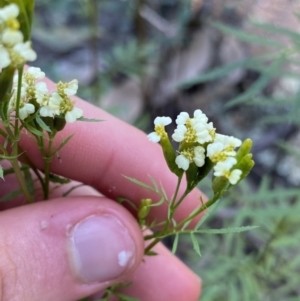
{"points": [[195, 244], [42, 124], [11, 195], [89, 119], [225, 230], [56, 179], [175, 243]]}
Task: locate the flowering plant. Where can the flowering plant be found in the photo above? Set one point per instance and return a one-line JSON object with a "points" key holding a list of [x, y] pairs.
{"points": [[28, 106]]}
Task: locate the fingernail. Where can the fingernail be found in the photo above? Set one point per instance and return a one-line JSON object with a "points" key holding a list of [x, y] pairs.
{"points": [[101, 248]]}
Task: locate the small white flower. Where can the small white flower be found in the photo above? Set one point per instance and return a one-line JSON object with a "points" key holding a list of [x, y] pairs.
{"points": [[229, 142], [4, 58], [214, 150], [71, 87], [25, 51], [202, 133], [223, 168], [179, 133], [11, 37], [53, 107], [182, 162], [26, 110], [71, 116], [190, 155], [160, 123], [37, 73], [199, 158]]}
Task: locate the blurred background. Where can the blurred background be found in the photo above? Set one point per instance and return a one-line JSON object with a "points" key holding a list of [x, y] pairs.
{"points": [[238, 61]]}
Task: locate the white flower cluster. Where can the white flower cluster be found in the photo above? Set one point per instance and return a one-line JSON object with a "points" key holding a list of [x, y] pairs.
{"points": [[198, 139], [35, 97], [13, 50]]}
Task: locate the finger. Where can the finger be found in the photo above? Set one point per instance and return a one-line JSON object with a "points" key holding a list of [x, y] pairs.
{"points": [[164, 277], [66, 249], [100, 154]]}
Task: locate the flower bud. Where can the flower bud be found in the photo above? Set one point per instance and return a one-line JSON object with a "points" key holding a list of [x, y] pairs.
{"points": [[219, 184], [170, 156], [245, 165], [244, 149], [144, 210]]}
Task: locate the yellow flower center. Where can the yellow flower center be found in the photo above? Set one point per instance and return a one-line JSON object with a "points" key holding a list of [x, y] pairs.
{"points": [[66, 105], [221, 156], [190, 135], [188, 153], [13, 23], [160, 131]]}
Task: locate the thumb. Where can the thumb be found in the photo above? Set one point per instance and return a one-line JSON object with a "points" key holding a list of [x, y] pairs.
{"points": [[66, 249]]}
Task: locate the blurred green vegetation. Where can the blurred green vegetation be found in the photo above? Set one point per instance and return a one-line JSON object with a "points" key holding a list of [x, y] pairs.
{"points": [[109, 41]]}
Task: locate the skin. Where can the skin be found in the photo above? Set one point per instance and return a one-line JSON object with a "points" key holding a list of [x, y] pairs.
{"points": [[34, 266]]}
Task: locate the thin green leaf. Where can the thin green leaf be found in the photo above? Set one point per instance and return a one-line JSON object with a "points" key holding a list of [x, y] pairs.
{"points": [[195, 244], [56, 179], [11, 195], [29, 179], [294, 35], [142, 184], [125, 297], [71, 189], [34, 131], [151, 253], [225, 230], [42, 124], [121, 200], [89, 119], [154, 184], [175, 243], [222, 71], [1, 172], [244, 36], [65, 141], [258, 86]]}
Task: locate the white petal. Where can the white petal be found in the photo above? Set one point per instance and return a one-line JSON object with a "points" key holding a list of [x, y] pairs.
{"points": [[182, 118], [182, 162], [234, 177], [214, 148], [4, 58], [25, 51], [162, 121], [12, 37], [46, 111], [36, 72], [9, 12], [71, 116], [26, 110], [200, 117], [153, 137], [199, 158], [179, 133], [72, 87]]}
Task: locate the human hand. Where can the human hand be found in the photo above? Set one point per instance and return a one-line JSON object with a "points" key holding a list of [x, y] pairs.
{"points": [[68, 248]]}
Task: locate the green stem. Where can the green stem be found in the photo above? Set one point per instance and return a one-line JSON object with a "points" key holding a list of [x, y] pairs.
{"points": [[47, 161], [174, 230], [19, 174], [20, 75]]}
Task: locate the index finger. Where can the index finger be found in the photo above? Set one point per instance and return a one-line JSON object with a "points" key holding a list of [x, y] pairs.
{"points": [[100, 154]]}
